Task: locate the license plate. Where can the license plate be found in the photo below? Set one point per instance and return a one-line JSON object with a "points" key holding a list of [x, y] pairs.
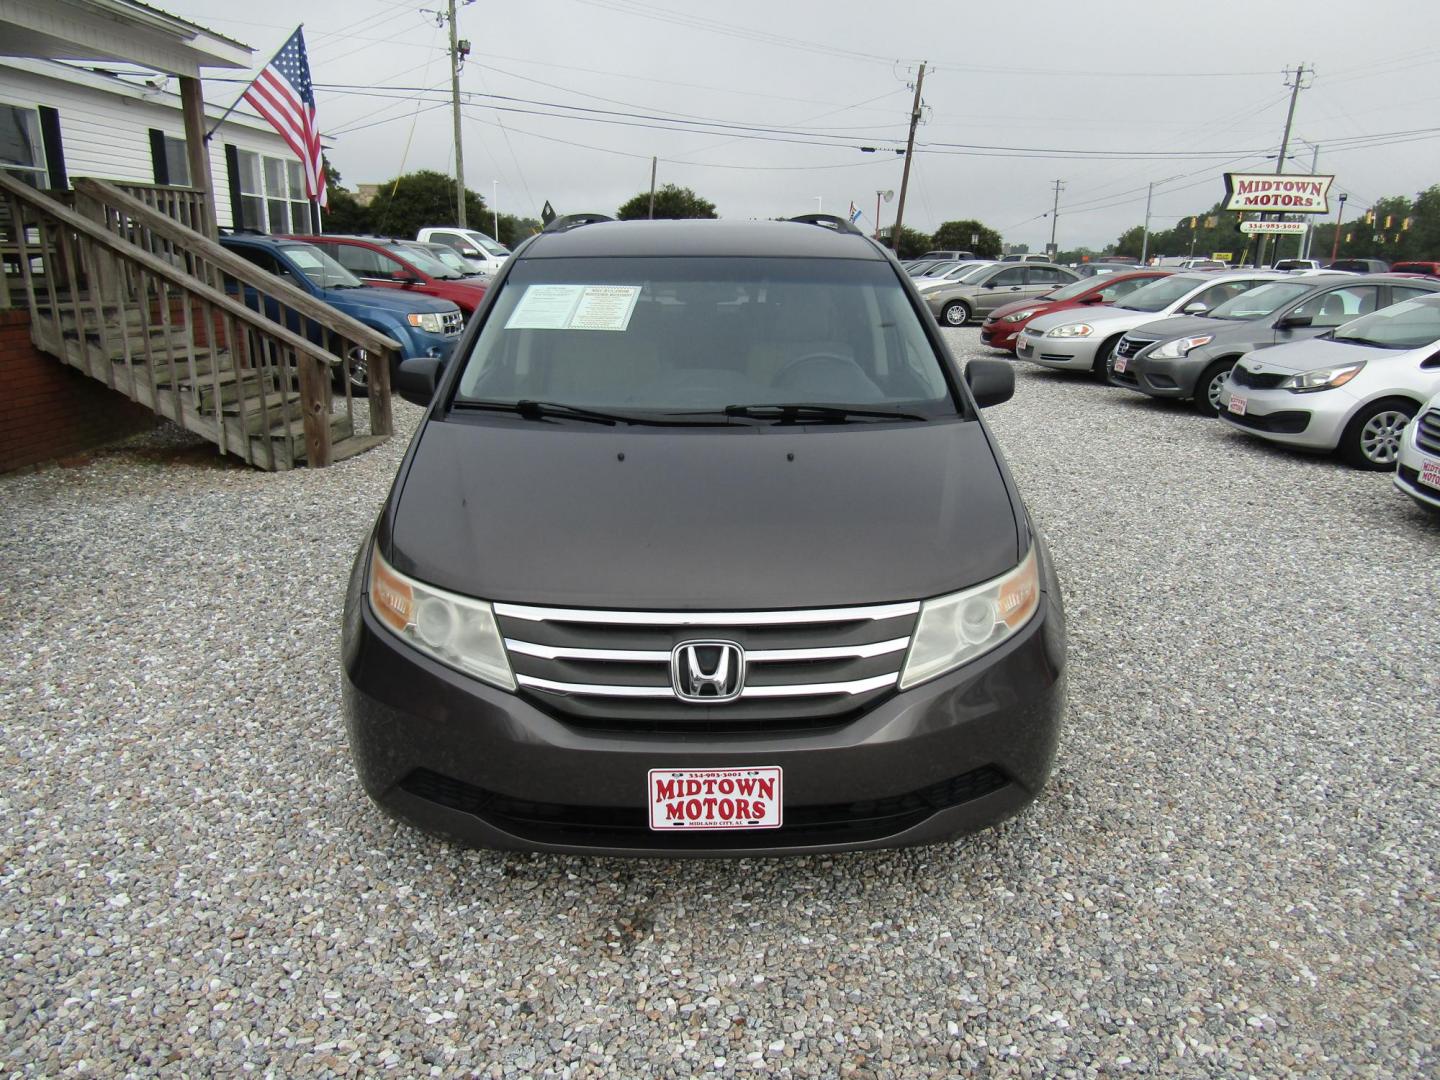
{"points": [[715, 798], [1430, 473], [1120, 363], [1023, 348], [1237, 405]]}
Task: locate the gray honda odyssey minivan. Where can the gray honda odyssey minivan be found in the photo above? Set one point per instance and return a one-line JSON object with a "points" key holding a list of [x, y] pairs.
{"points": [[702, 547]]}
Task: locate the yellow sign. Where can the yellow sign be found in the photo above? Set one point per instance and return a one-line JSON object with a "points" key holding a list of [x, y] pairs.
{"points": [[1222, 256]]}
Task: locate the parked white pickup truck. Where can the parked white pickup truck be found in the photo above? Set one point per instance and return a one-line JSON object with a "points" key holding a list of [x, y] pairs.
{"points": [[475, 246]]}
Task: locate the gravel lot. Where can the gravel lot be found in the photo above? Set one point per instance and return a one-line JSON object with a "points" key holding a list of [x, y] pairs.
{"points": [[1233, 872]]}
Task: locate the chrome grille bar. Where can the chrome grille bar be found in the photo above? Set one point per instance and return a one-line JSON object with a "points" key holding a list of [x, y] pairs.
{"points": [[856, 686], [707, 618], [656, 656]]}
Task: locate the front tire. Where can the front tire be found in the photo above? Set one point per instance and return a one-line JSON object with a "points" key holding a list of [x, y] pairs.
{"points": [[1100, 368], [1209, 386], [955, 313], [1372, 440]]}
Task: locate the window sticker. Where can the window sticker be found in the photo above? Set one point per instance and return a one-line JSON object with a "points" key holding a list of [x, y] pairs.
{"points": [[574, 307]]}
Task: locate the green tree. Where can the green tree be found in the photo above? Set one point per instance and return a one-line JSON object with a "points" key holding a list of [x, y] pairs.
{"points": [[344, 214], [672, 202], [416, 200], [913, 242], [957, 236]]}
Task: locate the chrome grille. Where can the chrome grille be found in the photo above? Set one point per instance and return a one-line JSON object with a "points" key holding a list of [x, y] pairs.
{"points": [[452, 322], [1129, 346], [1427, 431], [612, 669], [1243, 376]]}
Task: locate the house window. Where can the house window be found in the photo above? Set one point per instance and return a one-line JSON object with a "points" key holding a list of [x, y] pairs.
{"points": [[272, 194], [21, 151], [168, 160]]}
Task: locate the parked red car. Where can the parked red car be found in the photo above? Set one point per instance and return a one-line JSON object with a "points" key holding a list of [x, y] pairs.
{"points": [[394, 264], [1410, 266], [1004, 324]]}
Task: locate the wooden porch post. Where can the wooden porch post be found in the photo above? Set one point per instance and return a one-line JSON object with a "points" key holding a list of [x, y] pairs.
{"points": [[197, 150]]}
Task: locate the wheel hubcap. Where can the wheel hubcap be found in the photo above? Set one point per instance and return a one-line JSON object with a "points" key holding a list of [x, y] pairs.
{"points": [[1213, 390], [359, 375], [956, 316], [1380, 437]]}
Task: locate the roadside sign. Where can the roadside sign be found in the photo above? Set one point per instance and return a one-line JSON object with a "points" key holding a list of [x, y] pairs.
{"points": [[1285, 228], [1222, 256], [1291, 193]]}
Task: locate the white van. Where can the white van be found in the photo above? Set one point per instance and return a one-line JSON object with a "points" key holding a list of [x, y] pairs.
{"points": [[475, 246]]}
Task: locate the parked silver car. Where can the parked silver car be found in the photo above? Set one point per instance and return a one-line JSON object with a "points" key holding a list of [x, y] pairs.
{"points": [[987, 287], [1417, 471], [1082, 340], [1189, 356], [1354, 390]]}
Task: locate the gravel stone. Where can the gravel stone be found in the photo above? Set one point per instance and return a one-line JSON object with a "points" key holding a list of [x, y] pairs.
{"points": [[1232, 873]]}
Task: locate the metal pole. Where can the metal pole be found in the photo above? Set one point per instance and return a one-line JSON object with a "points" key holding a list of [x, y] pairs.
{"points": [[1339, 216], [653, 162], [1309, 236], [1284, 149], [1054, 218], [1145, 244], [909, 153], [877, 214], [455, 108], [495, 207]]}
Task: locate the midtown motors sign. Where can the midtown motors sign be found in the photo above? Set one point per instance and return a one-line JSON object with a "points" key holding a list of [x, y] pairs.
{"points": [[1288, 193]]}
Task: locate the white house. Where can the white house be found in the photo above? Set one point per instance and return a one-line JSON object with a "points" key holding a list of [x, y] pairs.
{"points": [[62, 119]]}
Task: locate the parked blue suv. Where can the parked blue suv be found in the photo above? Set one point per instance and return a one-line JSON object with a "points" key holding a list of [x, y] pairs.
{"points": [[423, 325]]}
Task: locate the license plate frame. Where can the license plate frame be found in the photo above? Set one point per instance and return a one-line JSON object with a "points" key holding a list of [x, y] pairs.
{"points": [[1237, 405], [1120, 364], [1429, 472], [691, 800]]}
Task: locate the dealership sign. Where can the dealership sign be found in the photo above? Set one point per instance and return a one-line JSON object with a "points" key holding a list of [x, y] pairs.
{"points": [[1267, 191], [1288, 228]]}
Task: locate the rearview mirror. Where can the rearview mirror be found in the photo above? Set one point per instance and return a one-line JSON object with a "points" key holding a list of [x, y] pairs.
{"points": [[991, 382], [417, 377]]}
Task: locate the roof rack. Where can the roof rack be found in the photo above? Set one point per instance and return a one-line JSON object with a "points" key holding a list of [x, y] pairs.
{"points": [[828, 221], [566, 222]]}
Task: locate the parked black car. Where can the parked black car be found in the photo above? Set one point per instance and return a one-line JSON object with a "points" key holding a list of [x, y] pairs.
{"points": [[703, 547]]}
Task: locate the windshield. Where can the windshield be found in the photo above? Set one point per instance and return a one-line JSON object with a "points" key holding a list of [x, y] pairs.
{"points": [[487, 245], [320, 269], [1257, 303], [1161, 294], [1411, 325], [423, 261], [694, 335], [916, 269], [1075, 288], [453, 259]]}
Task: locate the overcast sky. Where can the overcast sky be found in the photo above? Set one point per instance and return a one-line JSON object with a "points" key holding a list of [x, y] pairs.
{"points": [[1156, 83]]}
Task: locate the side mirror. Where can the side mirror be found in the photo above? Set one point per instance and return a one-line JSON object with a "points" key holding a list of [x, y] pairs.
{"points": [[1198, 307], [1096, 299], [991, 382], [416, 378], [1290, 322]]}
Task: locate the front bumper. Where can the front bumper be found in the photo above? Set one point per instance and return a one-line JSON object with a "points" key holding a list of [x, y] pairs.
{"points": [[1000, 335], [1413, 463], [1311, 421], [1160, 378], [463, 759], [1070, 354]]}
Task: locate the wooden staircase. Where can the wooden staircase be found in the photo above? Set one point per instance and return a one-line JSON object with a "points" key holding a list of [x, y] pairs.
{"points": [[170, 319]]}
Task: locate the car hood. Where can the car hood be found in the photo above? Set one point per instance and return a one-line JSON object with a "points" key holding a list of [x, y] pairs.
{"points": [[1094, 315], [371, 296], [691, 519], [1039, 303], [1185, 326], [1315, 353]]}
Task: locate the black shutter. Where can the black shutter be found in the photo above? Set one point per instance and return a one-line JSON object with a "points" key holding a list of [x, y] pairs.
{"points": [[157, 156], [54, 148], [232, 175]]}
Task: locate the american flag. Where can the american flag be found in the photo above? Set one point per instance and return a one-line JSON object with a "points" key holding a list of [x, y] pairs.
{"points": [[282, 94]]}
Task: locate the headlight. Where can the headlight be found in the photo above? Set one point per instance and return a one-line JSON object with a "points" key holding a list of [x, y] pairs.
{"points": [[456, 630], [429, 321], [955, 629], [1307, 382], [1174, 350], [1019, 316], [1074, 329]]}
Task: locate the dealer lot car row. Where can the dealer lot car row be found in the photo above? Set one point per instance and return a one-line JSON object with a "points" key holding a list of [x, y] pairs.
{"points": [[1324, 362]]}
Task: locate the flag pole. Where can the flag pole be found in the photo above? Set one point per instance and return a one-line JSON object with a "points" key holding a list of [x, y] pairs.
{"points": [[226, 114]]}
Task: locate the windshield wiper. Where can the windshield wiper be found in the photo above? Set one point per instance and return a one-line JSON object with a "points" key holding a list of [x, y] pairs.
{"points": [[1370, 343], [538, 410], [832, 414]]}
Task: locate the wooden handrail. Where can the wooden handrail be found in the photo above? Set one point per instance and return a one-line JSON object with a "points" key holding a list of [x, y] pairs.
{"points": [[290, 295], [123, 249]]}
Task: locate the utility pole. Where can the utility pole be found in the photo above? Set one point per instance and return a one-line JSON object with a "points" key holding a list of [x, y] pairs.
{"points": [[1145, 243], [1054, 219], [1295, 89], [909, 153], [1339, 216], [654, 161], [455, 108]]}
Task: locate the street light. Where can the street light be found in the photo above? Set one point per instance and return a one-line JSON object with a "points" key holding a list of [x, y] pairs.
{"points": [[1339, 214], [495, 207]]}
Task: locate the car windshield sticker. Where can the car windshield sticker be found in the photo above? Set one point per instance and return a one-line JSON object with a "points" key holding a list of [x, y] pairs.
{"points": [[574, 307]]}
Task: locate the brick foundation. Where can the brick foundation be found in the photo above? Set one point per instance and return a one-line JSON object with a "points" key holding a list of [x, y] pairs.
{"points": [[49, 410]]}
